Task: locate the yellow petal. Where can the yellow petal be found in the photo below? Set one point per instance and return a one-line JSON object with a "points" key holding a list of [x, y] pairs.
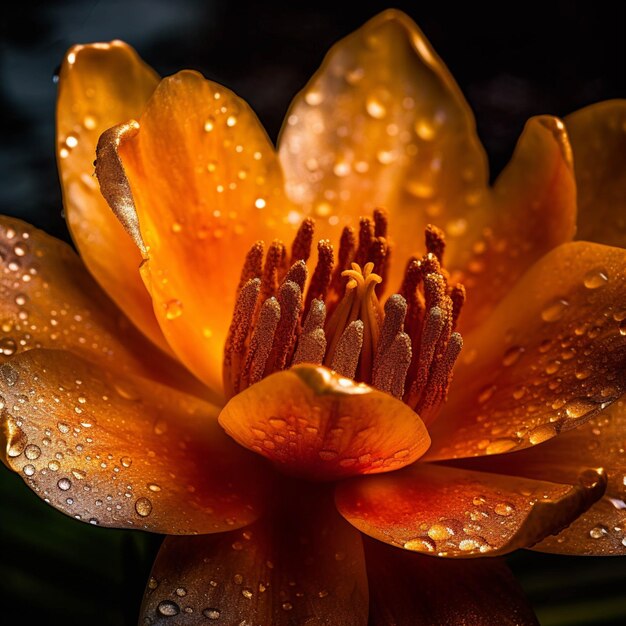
{"points": [[598, 136], [303, 564], [552, 355], [49, 300], [383, 123], [121, 451], [315, 424], [101, 85], [408, 589], [206, 185], [454, 512]]}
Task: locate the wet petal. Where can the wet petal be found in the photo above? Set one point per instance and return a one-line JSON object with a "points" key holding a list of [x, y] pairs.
{"points": [[101, 85], [531, 209], [550, 356], [408, 589], [206, 184], [303, 565], [453, 512], [598, 136], [49, 300], [313, 423], [382, 123], [121, 451], [598, 443]]}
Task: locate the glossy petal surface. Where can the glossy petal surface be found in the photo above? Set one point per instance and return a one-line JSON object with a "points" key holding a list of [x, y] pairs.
{"points": [[49, 300], [407, 589], [530, 210], [313, 423], [122, 452], [600, 442], [383, 123], [101, 85], [303, 565], [453, 512], [598, 136], [551, 356], [206, 185]]}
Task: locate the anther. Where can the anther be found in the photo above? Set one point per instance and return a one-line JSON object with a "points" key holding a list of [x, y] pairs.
{"points": [[273, 262], [347, 247], [320, 280], [290, 302], [435, 241], [312, 341], [253, 265], [395, 313], [458, 297], [366, 236], [390, 375], [301, 247], [297, 274], [261, 342], [346, 357], [380, 223]]}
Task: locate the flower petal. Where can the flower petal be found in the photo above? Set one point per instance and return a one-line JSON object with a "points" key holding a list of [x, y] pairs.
{"points": [[206, 184], [530, 210], [303, 565], [408, 589], [550, 356], [453, 512], [315, 424], [121, 451], [598, 443], [598, 140], [49, 300], [101, 85], [383, 123]]}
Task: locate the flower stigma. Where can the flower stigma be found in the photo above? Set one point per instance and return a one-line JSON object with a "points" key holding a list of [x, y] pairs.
{"points": [[406, 348]]}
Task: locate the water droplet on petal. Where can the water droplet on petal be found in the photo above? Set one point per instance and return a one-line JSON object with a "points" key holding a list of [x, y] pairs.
{"points": [[167, 608], [143, 506], [211, 613], [173, 309], [32, 452], [595, 279], [554, 310], [64, 484]]}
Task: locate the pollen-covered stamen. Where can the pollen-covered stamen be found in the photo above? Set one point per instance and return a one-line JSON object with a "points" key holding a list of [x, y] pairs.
{"points": [[408, 350], [301, 247], [312, 341]]}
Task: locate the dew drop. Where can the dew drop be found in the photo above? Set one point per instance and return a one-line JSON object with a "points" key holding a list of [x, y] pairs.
{"points": [[211, 613], [29, 470], [439, 532], [505, 509], [579, 408], [181, 592], [126, 461], [512, 355], [500, 446], [422, 544], [554, 310], [32, 452], [154, 487], [8, 374], [167, 608], [622, 327], [468, 544], [327, 455], [287, 606], [173, 309], [64, 484], [143, 506], [541, 433], [597, 532], [595, 279]]}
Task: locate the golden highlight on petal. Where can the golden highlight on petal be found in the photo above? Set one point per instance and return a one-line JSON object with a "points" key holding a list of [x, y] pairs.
{"points": [[408, 589], [49, 300], [453, 512], [316, 424], [206, 185], [101, 85], [118, 451], [550, 357], [302, 564], [598, 136]]}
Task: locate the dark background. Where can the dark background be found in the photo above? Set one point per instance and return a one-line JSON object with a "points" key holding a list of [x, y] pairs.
{"points": [[512, 60]]}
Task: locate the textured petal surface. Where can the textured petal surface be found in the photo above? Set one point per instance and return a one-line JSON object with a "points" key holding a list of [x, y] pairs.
{"points": [[550, 356], [206, 185], [101, 85], [408, 590], [598, 136], [530, 210], [303, 565], [313, 423], [383, 123], [122, 452], [453, 512], [49, 300], [600, 442]]}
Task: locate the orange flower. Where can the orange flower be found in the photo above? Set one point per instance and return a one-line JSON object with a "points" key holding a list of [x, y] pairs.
{"points": [[103, 419]]}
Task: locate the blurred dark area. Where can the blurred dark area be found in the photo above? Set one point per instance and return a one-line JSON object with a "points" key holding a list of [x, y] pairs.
{"points": [[511, 60]]}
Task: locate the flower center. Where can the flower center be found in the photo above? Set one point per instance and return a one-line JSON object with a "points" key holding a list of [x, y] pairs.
{"points": [[406, 348]]}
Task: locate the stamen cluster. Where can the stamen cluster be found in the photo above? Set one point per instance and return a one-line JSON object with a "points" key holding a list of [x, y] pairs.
{"points": [[406, 348]]}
